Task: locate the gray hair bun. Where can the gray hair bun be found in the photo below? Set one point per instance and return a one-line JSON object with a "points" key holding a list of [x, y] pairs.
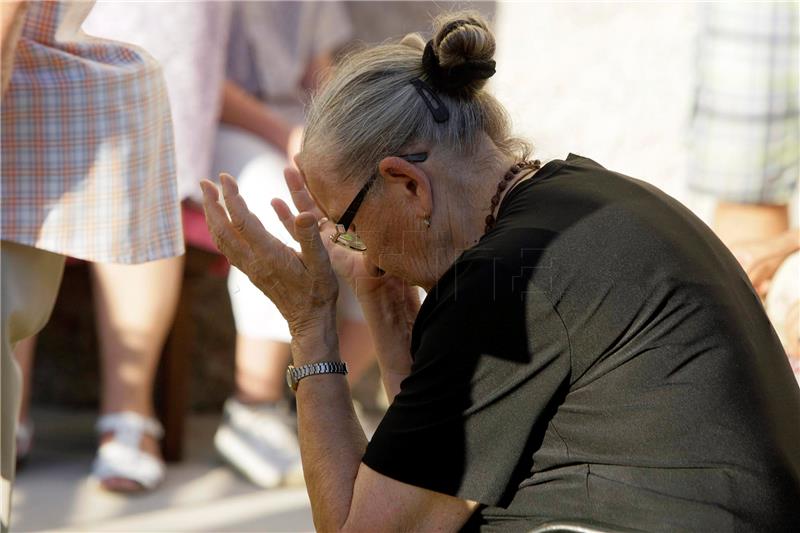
{"points": [[458, 60]]}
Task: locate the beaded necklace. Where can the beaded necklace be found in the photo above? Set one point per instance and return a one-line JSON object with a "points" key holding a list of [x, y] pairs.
{"points": [[510, 175]]}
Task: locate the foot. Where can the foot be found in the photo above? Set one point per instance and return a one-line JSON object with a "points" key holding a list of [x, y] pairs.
{"points": [[259, 440], [148, 445], [128, 458], [24, 439]]}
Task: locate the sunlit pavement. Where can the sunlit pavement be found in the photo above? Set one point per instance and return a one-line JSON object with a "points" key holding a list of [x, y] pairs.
{"points": [[53, 491]]}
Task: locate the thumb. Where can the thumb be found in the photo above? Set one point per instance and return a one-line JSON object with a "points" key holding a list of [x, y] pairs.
{"points": [[315, 256]]}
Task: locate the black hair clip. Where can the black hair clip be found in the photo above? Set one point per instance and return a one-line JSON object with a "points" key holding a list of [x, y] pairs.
{"points": [[453, 79], [438, 110]]}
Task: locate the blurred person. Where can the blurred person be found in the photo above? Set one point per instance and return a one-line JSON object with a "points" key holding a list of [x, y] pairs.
{"points": [[278, 51], [189, 40], [588, 352], [746, 144], [88, 172], [135, 304]]}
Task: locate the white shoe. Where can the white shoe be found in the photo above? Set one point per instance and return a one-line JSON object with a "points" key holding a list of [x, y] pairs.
{"points": [[121, 457], [24, 439], [260, 442]]}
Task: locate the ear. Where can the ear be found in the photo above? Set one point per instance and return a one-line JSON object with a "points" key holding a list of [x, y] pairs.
{"points": [[408, 183]]}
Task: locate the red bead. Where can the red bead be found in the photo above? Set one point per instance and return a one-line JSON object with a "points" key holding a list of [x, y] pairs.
{"points": [[511, 174]]}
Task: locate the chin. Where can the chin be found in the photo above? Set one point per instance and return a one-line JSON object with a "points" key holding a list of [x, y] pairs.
{"points": [[385, 265], [403, 265]]}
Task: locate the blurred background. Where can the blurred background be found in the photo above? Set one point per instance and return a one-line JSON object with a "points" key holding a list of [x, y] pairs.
{"points": [[620, 83]]}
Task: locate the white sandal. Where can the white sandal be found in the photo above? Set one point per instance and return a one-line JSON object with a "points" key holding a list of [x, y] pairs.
{"points": [[121, 456]]}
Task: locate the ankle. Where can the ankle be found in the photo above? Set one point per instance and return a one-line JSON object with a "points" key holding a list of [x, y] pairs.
{"points": [[146, 411], [257, 399]]}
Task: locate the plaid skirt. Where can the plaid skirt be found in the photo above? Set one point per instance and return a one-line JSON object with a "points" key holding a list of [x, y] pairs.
{"points": [[88, 164]]}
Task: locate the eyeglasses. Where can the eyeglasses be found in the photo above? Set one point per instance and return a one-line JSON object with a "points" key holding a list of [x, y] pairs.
{"points": [[343, 236]]}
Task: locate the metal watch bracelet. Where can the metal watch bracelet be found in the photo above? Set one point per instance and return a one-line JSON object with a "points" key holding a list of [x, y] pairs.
{"points": [[295, 374]]}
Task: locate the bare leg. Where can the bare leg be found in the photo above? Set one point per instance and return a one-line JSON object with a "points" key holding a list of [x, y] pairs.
{"points": [[260, 369], [261, 363], [30, 281], [737, 223], [24, 353], [135, 306], [355, 345]]}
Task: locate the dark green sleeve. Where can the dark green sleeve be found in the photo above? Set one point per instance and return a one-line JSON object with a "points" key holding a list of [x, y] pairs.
{"points": [[488, 359]]}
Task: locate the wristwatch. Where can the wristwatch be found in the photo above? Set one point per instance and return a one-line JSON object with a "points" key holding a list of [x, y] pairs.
{"points": [[294, 375]]}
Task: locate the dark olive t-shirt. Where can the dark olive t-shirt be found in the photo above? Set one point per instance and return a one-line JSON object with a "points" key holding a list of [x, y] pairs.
{"points": [[598, 357]]}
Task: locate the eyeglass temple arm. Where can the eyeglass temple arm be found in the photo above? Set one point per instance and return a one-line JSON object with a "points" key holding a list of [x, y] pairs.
{"points": [[352, 209]]}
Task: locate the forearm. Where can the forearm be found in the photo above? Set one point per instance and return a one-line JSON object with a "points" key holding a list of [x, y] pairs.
{"points": [[332, 445], [243, 110], [332, 442], [789, 242], [390, 320]]}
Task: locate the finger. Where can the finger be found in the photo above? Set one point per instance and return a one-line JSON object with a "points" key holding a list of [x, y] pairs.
{"points": [[237, 207], [284, 215], [297, 187], [215, 213], [227, 240], [315, 257], [209, 189], [287, 218], [300, 196], [244, 221], [266, 251]]}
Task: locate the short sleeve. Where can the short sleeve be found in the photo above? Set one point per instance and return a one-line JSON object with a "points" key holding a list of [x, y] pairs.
{"points": [[332, 28], [489, 357], [240, 61]]}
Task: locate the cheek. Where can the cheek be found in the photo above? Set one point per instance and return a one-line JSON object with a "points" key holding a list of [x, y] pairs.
{"points": [[390, 245], [393, 252], [384, 246]]}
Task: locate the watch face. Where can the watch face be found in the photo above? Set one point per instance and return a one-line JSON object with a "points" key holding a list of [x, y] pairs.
{"points": [[290, 378]]}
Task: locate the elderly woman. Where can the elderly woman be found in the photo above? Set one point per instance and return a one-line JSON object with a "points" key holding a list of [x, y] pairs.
{"points": [[588, 351]]}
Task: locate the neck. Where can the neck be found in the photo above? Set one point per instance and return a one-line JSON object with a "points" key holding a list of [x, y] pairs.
{"points": [[521, 176], [484, 183], [468, 198]]}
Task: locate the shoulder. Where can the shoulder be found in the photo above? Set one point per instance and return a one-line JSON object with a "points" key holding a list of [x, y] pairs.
{"points": [[479, 304]]}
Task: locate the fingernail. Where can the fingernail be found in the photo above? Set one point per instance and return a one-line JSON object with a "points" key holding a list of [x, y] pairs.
{"points": [[306, 221], [228, 181]]}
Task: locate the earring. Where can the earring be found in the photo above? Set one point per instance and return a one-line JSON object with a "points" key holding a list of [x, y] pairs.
{"points": [[427, 222]]}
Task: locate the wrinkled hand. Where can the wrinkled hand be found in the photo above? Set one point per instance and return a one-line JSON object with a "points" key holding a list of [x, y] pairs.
{"points": [[389, 303], [361, 275], [302, 285]]}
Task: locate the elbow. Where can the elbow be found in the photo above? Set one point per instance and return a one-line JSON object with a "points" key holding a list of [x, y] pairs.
{"points": [[332, 525]]}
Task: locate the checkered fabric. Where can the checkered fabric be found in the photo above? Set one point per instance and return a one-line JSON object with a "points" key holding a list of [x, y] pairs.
{"points": [[87, 151], [745, 144]]}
